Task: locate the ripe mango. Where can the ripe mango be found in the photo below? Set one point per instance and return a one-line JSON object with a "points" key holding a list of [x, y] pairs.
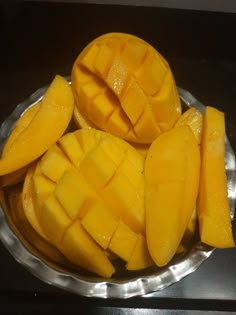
{"points": [[45, 128], [171, 187], [124, 86], [21, 223], [91, 183], [14, 177], [27, 203], [213, 205], [193, 118], [22, 123]]}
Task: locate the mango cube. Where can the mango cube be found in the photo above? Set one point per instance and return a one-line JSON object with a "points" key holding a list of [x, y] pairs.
{"points": [[81, 249], [123, 241], [55, 164], [54, 220], [140, 257], [74, 192], [100, 224]]}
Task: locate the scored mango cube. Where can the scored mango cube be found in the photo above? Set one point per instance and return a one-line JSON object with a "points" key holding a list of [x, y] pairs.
{"points": [[74, 192], [55, 164], [70, 146], [42, 188], [54, 220], [100, 224], [103, 60], [128, 205], [140, 257], [123, 241], [98, 168], [81, 249]]}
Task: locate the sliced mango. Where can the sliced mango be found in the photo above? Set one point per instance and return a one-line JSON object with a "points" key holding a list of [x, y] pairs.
{"points": [[129, 97], [93, 182], [213, 205], [13, 178], [46, 127], [22, 123], [42, 187], [100, 224], [54, 220], [171, 186], [140, 257], [123, 241], [193, 118], [81, 250], [28, 232], [28, 203]]}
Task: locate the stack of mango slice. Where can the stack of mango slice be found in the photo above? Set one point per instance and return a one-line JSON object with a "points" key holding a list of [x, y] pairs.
{"points": [[134, 180]]}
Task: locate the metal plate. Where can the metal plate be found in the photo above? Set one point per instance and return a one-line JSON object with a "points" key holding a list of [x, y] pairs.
{"points": [[124, 284]]}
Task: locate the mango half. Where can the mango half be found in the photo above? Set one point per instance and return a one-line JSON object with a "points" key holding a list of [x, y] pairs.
{"points": [[124, 86], [88, 198]]}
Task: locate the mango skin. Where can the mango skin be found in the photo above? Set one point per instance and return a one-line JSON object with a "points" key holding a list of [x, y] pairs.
{"points": [[124, 86], [171, 188], [46, 127], [213, 204]]}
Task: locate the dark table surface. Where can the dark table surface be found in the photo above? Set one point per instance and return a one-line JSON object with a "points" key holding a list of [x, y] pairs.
{"points": [[39, 40]]}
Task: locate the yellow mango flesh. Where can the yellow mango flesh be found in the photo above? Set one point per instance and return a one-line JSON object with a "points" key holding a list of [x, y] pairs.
{"points": [[123, 241], [46, 127], [171, 187], [96, 179], [193, 118], [140, 257], [130, 97], [14, 177], [81, 250], [42, 187], [213, 205], [28, 203], [82, 122], [22, 123], [189, 233], [100, 224], [28, 232]]}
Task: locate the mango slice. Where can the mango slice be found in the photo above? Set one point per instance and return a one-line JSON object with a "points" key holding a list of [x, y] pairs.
{"points": [[171, 187], [193, 118], [13, 178], [124, 86], [46, 127], [213, 205], [22, 123]]}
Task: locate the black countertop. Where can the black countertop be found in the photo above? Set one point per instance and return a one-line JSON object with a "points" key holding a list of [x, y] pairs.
{"points": [[39, 40]]}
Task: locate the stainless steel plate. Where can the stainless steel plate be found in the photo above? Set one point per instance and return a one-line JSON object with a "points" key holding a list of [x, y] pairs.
{"points": [[124, 284]]}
